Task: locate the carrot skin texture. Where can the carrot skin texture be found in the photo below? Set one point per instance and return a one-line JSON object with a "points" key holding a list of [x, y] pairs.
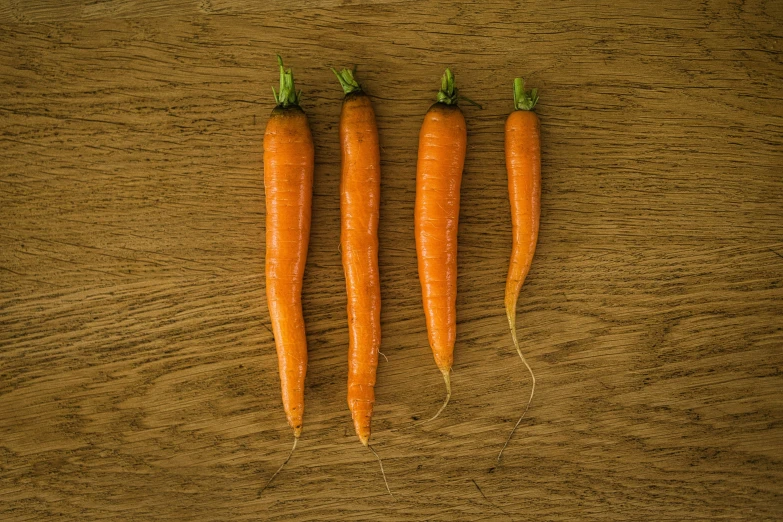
{"points": [[288, 184], [360, 187], [441, 158], [523, 165]]}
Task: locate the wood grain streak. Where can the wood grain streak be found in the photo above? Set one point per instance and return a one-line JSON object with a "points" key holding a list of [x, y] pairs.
{"points": [[138, 378]]}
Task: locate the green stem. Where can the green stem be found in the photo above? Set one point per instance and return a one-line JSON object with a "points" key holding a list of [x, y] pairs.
{"points": [[287, 96], [447, 93], [524, 100], [347, 81]]}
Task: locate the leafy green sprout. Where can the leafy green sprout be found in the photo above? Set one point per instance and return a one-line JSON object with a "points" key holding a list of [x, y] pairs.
{"points": [[347, 80], [287, 96], [524, 100]]}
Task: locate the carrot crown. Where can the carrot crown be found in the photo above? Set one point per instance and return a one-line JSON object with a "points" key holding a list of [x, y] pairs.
{"points": [[347, 81], [447, 93], [524, 100], [287, 95]]}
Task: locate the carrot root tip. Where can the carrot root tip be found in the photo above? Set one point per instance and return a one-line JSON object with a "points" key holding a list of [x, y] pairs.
{"points": [[383, 473], [510, 313], [447, 380], [296, 439]]}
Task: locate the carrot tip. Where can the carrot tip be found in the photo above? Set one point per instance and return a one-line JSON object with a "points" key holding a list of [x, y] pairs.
{"points": [[296, 439], [447, 380], [365, 440], [511, 314], [383, 473]]}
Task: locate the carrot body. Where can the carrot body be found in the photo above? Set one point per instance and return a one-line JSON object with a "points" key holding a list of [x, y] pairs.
{"points": [[360, 187], [442, 144], [288, 183], [523, 164]]}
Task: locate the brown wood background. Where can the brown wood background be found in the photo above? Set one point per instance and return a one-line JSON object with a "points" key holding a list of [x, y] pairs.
{"points": [[137, 376]]}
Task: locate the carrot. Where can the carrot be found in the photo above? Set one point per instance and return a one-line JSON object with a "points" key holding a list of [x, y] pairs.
{"points": [[360, 194], [288, 184], [442, 144], [360, 191], [523, 164]]}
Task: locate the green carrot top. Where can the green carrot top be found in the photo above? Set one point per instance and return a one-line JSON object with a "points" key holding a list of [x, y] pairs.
{"points": [[447, 93], [347, 81], [524, 100], [287, 96]]}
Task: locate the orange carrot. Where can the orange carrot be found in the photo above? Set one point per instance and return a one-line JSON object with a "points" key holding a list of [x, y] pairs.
{"points": [[288, 183], [360, 196], [442, 144], [360, 192], [523, 163]]}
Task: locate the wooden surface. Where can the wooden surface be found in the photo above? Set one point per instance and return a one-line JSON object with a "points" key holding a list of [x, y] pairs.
{"points": [[138, 379]]}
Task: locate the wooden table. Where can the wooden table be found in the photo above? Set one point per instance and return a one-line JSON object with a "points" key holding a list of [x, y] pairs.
{"points": [[138, 379]]}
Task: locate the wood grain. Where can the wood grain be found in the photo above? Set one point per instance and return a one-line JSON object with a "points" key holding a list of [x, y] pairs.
{"points": [[137, 373]]}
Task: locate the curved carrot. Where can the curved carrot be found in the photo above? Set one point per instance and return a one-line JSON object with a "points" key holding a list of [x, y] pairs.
{"points": [[288, 183], [442, 144], [360, 192], [523, 163]]}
